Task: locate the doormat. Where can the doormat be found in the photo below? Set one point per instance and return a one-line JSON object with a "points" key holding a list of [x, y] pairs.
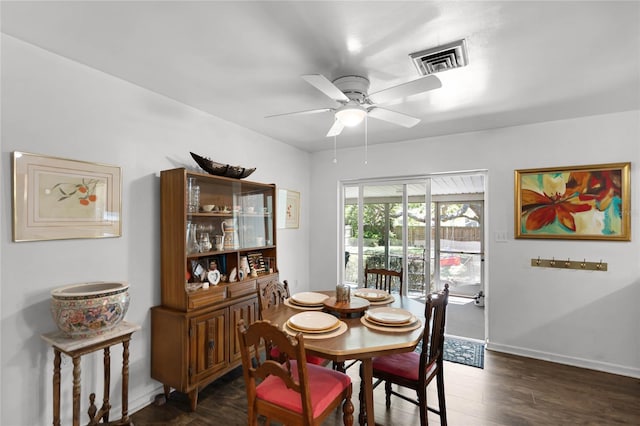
{"points": [[462, 351]]}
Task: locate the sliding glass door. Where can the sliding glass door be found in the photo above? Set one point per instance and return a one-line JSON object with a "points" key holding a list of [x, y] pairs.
{"points": [[459, 246], [394, 224], [385, 226]]}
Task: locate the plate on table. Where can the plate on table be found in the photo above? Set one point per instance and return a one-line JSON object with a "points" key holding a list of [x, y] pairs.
{"points": [[400, 329], [342, 327], [411, 320], [295, 328], [312, 321], [390, 315], [371, 294], [305, 305], [383, 301], [309, 298], [290, 303]]}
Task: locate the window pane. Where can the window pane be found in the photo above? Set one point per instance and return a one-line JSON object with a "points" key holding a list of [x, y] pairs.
{"points": [[460, 246]]}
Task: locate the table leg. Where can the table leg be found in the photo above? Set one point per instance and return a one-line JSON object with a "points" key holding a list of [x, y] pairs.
{"points": [[125, 382], [366, 378], [107, 379], [56, 387], [76, 390]]}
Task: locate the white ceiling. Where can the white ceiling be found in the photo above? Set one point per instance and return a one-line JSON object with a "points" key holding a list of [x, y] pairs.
{"points": [[241, 61]]}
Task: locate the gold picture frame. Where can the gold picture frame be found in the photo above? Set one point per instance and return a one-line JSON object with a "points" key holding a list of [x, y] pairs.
{"points": [[57, 198], [590, 202]]}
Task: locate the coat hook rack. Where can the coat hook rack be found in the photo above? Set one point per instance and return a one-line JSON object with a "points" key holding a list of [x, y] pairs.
{"points": [[569, 264]]}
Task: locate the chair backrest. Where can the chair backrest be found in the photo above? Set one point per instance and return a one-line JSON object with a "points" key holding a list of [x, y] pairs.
{"points": [[383, 279], [262, 334], [273, 294], [435, 313]]}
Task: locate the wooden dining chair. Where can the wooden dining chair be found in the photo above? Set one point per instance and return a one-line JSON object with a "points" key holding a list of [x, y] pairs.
{"points": [[383, 279], [415, 370], [291, 392], [273, 294]]}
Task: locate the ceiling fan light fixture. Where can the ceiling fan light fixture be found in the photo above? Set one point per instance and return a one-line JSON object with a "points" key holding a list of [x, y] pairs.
{"points": [[351, 115]]}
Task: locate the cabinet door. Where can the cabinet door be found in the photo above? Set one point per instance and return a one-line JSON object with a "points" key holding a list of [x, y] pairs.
{"points": [[207, 344], [248, 311]]}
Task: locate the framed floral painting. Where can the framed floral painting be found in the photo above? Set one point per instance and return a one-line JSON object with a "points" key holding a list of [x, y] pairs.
{"points": [[288, 209], [578, 202], [56, 198]]}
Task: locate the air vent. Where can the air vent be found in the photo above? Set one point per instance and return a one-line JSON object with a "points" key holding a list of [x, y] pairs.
{"points": [[441, 58]]}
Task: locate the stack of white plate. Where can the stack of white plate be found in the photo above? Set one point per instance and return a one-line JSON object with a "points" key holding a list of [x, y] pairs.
{"points": [[308, 299], [390, 317], [374, 296], [313, 322]]}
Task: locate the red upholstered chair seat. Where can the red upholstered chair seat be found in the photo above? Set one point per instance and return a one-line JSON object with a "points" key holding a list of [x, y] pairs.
{"points": [[325, 385], [404, 365]]}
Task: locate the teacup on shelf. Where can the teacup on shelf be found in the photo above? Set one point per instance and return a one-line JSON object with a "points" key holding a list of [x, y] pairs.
{"points": [[208, 207]]}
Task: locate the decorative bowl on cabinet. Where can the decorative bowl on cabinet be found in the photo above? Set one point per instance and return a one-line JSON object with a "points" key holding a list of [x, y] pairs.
{"points": [[89, 309]]}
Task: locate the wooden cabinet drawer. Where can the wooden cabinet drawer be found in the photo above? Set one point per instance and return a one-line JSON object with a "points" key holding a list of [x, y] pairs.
{"points": [[241, 288], [202, 298]]}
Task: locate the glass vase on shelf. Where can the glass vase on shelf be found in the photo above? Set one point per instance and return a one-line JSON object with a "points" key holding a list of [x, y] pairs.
{"points": [[193, 195], [192, 239]]}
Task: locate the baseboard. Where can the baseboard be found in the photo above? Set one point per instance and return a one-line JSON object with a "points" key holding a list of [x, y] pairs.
{"points": [[142, 401], [464, 338], [566, 360]]}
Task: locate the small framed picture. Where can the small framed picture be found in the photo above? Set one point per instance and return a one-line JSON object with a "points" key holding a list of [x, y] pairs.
{"points": [[288, 209]]}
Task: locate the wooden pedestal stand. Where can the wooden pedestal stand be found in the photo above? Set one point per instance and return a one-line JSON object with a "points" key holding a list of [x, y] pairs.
{"points": [[75, 348]]}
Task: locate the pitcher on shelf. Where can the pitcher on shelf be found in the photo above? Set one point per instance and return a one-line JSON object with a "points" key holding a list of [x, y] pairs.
{"points": [[230, 234]]}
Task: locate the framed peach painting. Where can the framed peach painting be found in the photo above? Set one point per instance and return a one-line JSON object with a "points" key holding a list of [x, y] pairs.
{"points": [[57, 198], [577, 202]]}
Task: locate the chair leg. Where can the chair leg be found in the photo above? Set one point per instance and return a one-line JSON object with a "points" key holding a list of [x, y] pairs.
{"points": [[253, 418], [347, 409], [362, 416], [339, 366], [422, 406], [387, 392], [441, 401]]}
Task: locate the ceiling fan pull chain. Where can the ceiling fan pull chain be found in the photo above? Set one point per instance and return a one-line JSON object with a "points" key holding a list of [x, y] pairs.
{"points": [[335, 158], [366, 136]]}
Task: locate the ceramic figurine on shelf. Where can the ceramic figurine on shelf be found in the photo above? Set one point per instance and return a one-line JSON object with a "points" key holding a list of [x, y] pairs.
{"points": [[232, 275], [244, 267], [213, 275]]}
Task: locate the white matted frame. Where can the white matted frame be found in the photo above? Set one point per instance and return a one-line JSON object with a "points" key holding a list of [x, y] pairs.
{"points": [[57, 198], [288, 209]]}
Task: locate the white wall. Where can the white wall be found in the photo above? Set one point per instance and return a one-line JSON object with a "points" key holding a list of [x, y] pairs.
{"points": [[589, 319], [57, 107]]}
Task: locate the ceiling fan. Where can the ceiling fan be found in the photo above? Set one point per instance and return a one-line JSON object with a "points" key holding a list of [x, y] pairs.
{"points": [[351, 92]]}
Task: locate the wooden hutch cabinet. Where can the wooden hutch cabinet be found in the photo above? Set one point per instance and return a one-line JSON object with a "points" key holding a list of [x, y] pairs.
{"points": [[193, 332]]}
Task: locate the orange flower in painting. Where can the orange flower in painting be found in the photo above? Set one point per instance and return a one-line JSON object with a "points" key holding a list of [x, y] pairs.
{"points": [[543, 210], [561, 198]]}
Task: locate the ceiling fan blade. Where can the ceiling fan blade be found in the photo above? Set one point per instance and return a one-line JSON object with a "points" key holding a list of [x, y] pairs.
{"points": [[403, 90], [336, 129], [393, 117], [310, 111], [323, 84]]}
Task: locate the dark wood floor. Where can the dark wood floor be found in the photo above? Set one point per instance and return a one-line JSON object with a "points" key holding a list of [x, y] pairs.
{"points": [[509, 391]]}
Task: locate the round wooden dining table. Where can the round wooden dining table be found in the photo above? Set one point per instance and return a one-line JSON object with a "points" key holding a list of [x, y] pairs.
{"points": [[359, 342]]}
